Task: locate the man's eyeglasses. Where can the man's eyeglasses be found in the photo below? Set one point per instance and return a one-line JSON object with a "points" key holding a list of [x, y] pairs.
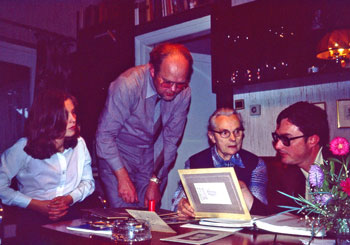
{"points": [[227, 134], [168, 84], [284, 139]]}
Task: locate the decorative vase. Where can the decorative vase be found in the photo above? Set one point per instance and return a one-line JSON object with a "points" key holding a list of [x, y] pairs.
{"points": [[342, 231]]}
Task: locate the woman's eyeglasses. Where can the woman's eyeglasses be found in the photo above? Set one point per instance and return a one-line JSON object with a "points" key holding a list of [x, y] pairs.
{"points": [[227, 134], [284, 139]]}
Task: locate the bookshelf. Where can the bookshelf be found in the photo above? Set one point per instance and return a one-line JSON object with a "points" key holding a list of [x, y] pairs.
{"points": [[152, 10], [151, 15]]}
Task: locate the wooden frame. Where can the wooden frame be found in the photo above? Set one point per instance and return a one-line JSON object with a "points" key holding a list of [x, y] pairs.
{"points": [[343, 113], [214, 192], [239, 104]]}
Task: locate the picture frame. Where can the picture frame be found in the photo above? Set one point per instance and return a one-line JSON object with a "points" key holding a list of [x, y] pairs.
{"points": [[322, 105], [197, 237], [343, 113], [214, 192], [239, 104]]}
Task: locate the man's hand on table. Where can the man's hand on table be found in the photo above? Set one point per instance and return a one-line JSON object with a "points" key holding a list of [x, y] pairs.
{"points": [[152, 193]]}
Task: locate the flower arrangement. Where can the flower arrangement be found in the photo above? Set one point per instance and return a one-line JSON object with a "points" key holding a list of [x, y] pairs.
{"points": [[329, 183]]}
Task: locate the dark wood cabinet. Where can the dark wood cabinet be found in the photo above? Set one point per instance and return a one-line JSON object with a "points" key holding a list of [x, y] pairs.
{"points": [[269, 44], [104, 51]]}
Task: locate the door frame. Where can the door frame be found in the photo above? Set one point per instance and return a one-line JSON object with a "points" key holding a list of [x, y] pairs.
{"points": [[144, 42]]}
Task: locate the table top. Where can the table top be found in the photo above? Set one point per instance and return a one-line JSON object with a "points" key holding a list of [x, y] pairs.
{"points": [[59, 234]]}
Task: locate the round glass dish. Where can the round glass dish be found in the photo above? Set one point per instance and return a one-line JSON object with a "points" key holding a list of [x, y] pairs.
{"points": [[131, 230]]}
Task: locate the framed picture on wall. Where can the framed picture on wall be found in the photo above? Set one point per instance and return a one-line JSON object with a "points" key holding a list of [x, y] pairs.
{"points": [[239, 104], [343, 113], [322, 105]]}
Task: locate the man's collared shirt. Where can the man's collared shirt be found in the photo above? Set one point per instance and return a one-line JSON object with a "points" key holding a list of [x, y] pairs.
{"points": [[127, 120]]}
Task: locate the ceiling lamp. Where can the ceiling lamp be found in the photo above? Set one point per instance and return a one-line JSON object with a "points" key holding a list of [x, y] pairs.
{"points": [[335, 45]]}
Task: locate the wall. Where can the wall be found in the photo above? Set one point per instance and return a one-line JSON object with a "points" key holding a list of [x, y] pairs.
{"points": [[203, 103], [258, 128], [52, 15]]}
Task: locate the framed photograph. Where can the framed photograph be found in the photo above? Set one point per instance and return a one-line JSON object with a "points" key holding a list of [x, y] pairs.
{"points": [[322, 105], [214, 192], [343, 113], [197, 237], [239, 104]]}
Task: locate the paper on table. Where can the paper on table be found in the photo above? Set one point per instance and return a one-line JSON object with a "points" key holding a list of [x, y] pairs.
{"points": [[157, 224], [212, 228], [87, 228], [286, 223], [197, 237], [233, 223], [213, 193]]}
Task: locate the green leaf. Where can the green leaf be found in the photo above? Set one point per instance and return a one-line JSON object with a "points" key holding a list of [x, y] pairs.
{"points": [[332, 168], [335, 160]]}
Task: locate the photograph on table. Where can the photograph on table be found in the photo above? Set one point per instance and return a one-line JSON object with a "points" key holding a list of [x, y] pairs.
{"points": [[214, 192]]}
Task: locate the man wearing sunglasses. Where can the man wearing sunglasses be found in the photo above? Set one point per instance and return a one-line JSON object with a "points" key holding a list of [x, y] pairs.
{"points": [[225, 131], [127, 132], [301, 133]]}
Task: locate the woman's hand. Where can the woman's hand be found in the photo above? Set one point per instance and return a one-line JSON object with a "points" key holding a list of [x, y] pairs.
{"points": [[58, 207], [40, 206], [184, 208]]}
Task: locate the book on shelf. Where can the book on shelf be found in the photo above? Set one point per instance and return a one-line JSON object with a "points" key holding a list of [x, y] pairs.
{"points": [[150, 10]]}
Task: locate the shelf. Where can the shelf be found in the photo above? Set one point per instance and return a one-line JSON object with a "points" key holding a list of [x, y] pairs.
{"points": [[314, 79], [173, 19]]}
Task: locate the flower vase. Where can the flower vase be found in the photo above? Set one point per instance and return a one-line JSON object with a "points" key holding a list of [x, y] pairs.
{"points": [[342, 231]]}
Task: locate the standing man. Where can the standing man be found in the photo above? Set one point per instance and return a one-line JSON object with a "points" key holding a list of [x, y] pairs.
{"points": [[301, 135], [135, 151]]}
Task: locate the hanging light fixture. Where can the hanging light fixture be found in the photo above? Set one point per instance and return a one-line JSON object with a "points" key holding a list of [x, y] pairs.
{"points": [[335, 45]]}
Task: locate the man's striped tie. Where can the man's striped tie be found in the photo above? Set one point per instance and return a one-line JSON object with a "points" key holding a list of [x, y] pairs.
{"points": [[157, 137]]}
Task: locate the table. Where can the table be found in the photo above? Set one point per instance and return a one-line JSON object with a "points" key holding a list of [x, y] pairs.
{"points": [[58, 234]]}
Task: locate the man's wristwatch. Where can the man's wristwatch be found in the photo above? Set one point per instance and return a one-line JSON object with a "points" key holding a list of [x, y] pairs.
{"points": [[155, 180]]}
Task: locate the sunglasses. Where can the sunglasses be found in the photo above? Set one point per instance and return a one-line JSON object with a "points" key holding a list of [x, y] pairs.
{"points": [[284, 139]]}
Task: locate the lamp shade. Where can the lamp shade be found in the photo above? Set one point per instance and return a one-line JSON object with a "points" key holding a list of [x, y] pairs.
{"points": [[334, 45]]}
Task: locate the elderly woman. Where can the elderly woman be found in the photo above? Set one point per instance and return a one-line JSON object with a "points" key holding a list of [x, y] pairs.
{"points": [[51, 163], [226, 132]]}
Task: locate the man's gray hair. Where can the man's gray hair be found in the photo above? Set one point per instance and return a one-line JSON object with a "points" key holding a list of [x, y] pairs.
{"points": [[223, 112]]}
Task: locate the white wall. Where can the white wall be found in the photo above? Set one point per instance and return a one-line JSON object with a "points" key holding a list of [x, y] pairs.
{"points": [[203, 104], [258, 128]]}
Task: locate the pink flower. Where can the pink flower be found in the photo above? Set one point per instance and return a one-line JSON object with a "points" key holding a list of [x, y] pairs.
{"points": [[345, 184], [339, 146], [316, 176]]}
